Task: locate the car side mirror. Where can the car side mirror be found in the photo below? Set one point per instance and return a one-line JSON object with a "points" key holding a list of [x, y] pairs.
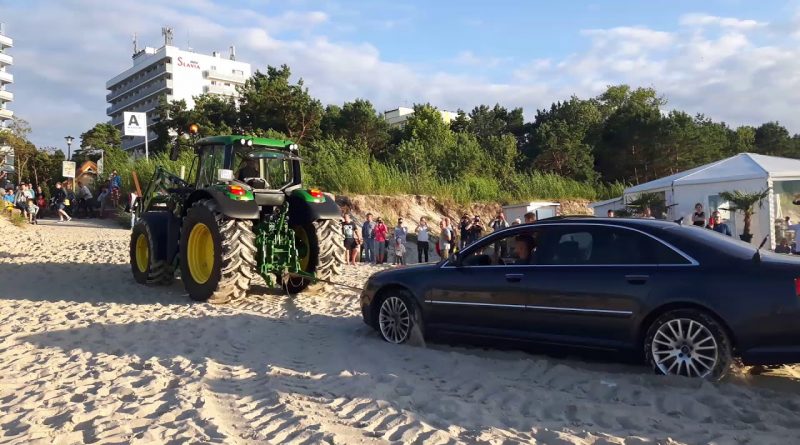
{"points": [[455, 259]]}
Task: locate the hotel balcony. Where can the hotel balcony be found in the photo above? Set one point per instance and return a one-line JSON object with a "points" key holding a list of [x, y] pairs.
{"points": [[6, 96], [226, 77], [5, 59], [6, 77], [160, 71], [155, 88], [6, 42], [6, 114]]}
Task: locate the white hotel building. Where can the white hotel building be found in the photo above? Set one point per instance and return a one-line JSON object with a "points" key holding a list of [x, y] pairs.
{"points": [[6, 78], [171, 73]]}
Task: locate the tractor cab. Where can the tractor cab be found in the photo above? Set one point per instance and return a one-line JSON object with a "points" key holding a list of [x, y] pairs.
{"points": [[262, 169]]}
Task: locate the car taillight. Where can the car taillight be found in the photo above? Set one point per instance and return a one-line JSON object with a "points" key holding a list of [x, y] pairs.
{"points": [[236, 190], [315, 193], [797, 286]]}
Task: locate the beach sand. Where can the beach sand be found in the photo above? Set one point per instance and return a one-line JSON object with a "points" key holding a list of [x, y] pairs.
{"points": [[89, 356]]}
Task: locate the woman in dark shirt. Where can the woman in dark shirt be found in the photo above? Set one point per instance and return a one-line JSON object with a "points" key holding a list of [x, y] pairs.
{"points": [[699, 216]]}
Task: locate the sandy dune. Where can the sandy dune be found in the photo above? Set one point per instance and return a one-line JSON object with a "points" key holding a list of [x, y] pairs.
{"points": [[88, 356]]}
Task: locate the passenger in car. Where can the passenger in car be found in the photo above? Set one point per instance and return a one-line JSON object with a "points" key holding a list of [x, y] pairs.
{"points": [[525, 248]]}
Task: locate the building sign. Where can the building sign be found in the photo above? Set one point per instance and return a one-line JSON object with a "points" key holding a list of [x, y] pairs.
{"points": [[68, 169], [188, 63], [135, 124]]}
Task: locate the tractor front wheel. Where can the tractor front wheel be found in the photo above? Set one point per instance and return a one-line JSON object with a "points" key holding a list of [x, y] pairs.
{"points": [[218, 254], [320, 247]]}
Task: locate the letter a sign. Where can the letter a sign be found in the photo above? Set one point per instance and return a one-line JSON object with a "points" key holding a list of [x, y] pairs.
{"points": [[135, 124]]}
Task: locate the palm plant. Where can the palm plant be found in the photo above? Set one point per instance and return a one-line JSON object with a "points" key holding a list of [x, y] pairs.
{"points": [[745, 202], [647, 200]]}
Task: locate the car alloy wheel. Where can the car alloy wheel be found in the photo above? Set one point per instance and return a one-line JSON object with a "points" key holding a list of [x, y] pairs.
{"points": [[394, 320], [685, 347]]}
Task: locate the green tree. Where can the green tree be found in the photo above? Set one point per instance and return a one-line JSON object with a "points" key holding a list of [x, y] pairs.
{"points": [[741, 140], [270, 101], [773, 139]]}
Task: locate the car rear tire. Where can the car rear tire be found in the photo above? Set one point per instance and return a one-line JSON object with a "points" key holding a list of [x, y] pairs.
{"points": [[396, 318], [689, 343]]}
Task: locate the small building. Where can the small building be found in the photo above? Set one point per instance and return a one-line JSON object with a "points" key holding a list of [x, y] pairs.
{"points": [[747, 172], [601, 208], [542, 210], [399, 116]]}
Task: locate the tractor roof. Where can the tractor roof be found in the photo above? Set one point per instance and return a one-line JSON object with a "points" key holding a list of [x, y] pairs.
{"points": [[234, 139]]}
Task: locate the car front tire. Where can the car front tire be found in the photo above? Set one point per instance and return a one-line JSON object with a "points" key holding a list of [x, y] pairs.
{"points": [[396, 318], [689, 343]]}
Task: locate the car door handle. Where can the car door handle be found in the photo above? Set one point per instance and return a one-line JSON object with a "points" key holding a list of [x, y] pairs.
{"points": [[514, 277], [637, 279]]}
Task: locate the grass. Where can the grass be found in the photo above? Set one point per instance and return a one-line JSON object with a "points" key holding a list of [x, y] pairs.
{"points": [[359, 176]]}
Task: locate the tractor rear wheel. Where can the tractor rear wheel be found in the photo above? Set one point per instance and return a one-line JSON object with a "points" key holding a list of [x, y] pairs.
{"points": [[146, 268], [320, 246], [218, 254]]}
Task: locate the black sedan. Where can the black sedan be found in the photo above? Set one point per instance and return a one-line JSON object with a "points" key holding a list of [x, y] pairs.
{"points": [[686, 298]]}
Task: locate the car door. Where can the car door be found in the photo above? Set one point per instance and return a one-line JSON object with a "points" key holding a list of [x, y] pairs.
{"points": [[478, 294], [591, 280]]}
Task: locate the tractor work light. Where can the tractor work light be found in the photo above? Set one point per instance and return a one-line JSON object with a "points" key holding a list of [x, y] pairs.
{"points": [[315, 193], [293, 147]]}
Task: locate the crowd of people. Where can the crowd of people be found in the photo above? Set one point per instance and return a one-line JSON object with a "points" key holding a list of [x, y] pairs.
{"points": [[374, 242], [62, 202]]}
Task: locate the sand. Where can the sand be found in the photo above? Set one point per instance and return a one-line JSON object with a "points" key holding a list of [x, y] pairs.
{"points": [[89, 356]]}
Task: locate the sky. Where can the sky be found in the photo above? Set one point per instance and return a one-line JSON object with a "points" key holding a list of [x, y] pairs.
{"points": [[733, 60]]}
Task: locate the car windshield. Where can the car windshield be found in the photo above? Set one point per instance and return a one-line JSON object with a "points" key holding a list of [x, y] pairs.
{"points": [[264, 169]]}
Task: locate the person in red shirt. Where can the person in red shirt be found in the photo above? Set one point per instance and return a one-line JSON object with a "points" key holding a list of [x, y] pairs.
{"points": [[380, 241]]}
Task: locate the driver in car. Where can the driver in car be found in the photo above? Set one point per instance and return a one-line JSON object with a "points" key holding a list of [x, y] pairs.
{"points": [[524, 247], [248, 170]]}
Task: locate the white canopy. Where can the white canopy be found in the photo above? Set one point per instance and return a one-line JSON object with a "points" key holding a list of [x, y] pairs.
{"points": [[739, 167]]}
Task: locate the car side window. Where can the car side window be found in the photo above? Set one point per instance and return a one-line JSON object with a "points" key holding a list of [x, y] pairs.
{"points": [[516, 249], [599, 245]]}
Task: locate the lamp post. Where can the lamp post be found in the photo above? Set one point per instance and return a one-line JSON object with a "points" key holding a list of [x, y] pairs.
{"points": [[69, 140]]}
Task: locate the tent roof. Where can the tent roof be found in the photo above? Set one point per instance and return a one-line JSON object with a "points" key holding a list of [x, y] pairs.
{"points": [[602, 203], [739, 167]]}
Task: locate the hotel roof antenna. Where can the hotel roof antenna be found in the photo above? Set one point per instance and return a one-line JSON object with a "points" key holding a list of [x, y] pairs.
{"points": [[233, 53], [167, 32]]}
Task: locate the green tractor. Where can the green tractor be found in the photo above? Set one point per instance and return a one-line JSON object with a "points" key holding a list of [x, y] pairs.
{"points": [[247, 214]]}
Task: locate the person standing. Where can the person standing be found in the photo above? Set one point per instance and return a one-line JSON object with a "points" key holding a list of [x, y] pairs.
{"points": [[400, 233], [610, 213], [464, 228], [699, 216], [368, 236], [475, 229], [530, 217], [453, 235], [399, 251], [423, 232], [350, 232], [499, 223], [379, 238], [445, 239], [58, 199], [21, 200], [719, 226]]}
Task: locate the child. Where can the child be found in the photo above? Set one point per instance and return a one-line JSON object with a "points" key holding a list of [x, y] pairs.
{"points": [[33, 209], [399, 251]]}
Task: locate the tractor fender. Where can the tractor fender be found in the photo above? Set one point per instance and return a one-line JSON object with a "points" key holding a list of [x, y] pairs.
{"points": [[302, 211], [226, 206], [158, 223]]}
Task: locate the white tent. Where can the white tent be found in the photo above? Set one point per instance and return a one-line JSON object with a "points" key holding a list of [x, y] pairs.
{"points": [[747, 172]]}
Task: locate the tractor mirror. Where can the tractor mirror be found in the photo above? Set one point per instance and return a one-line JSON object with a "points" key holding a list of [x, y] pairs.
{"points": [[224, 174]]}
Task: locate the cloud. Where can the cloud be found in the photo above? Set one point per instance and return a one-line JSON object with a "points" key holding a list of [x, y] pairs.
{"points": [[730, 69], [704, 20]]}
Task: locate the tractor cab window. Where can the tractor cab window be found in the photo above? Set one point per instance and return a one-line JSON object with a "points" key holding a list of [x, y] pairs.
{"points": [[263, 169], [212, 158]]}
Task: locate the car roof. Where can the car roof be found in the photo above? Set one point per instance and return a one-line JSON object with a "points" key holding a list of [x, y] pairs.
{"points": [[625, 222]]}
